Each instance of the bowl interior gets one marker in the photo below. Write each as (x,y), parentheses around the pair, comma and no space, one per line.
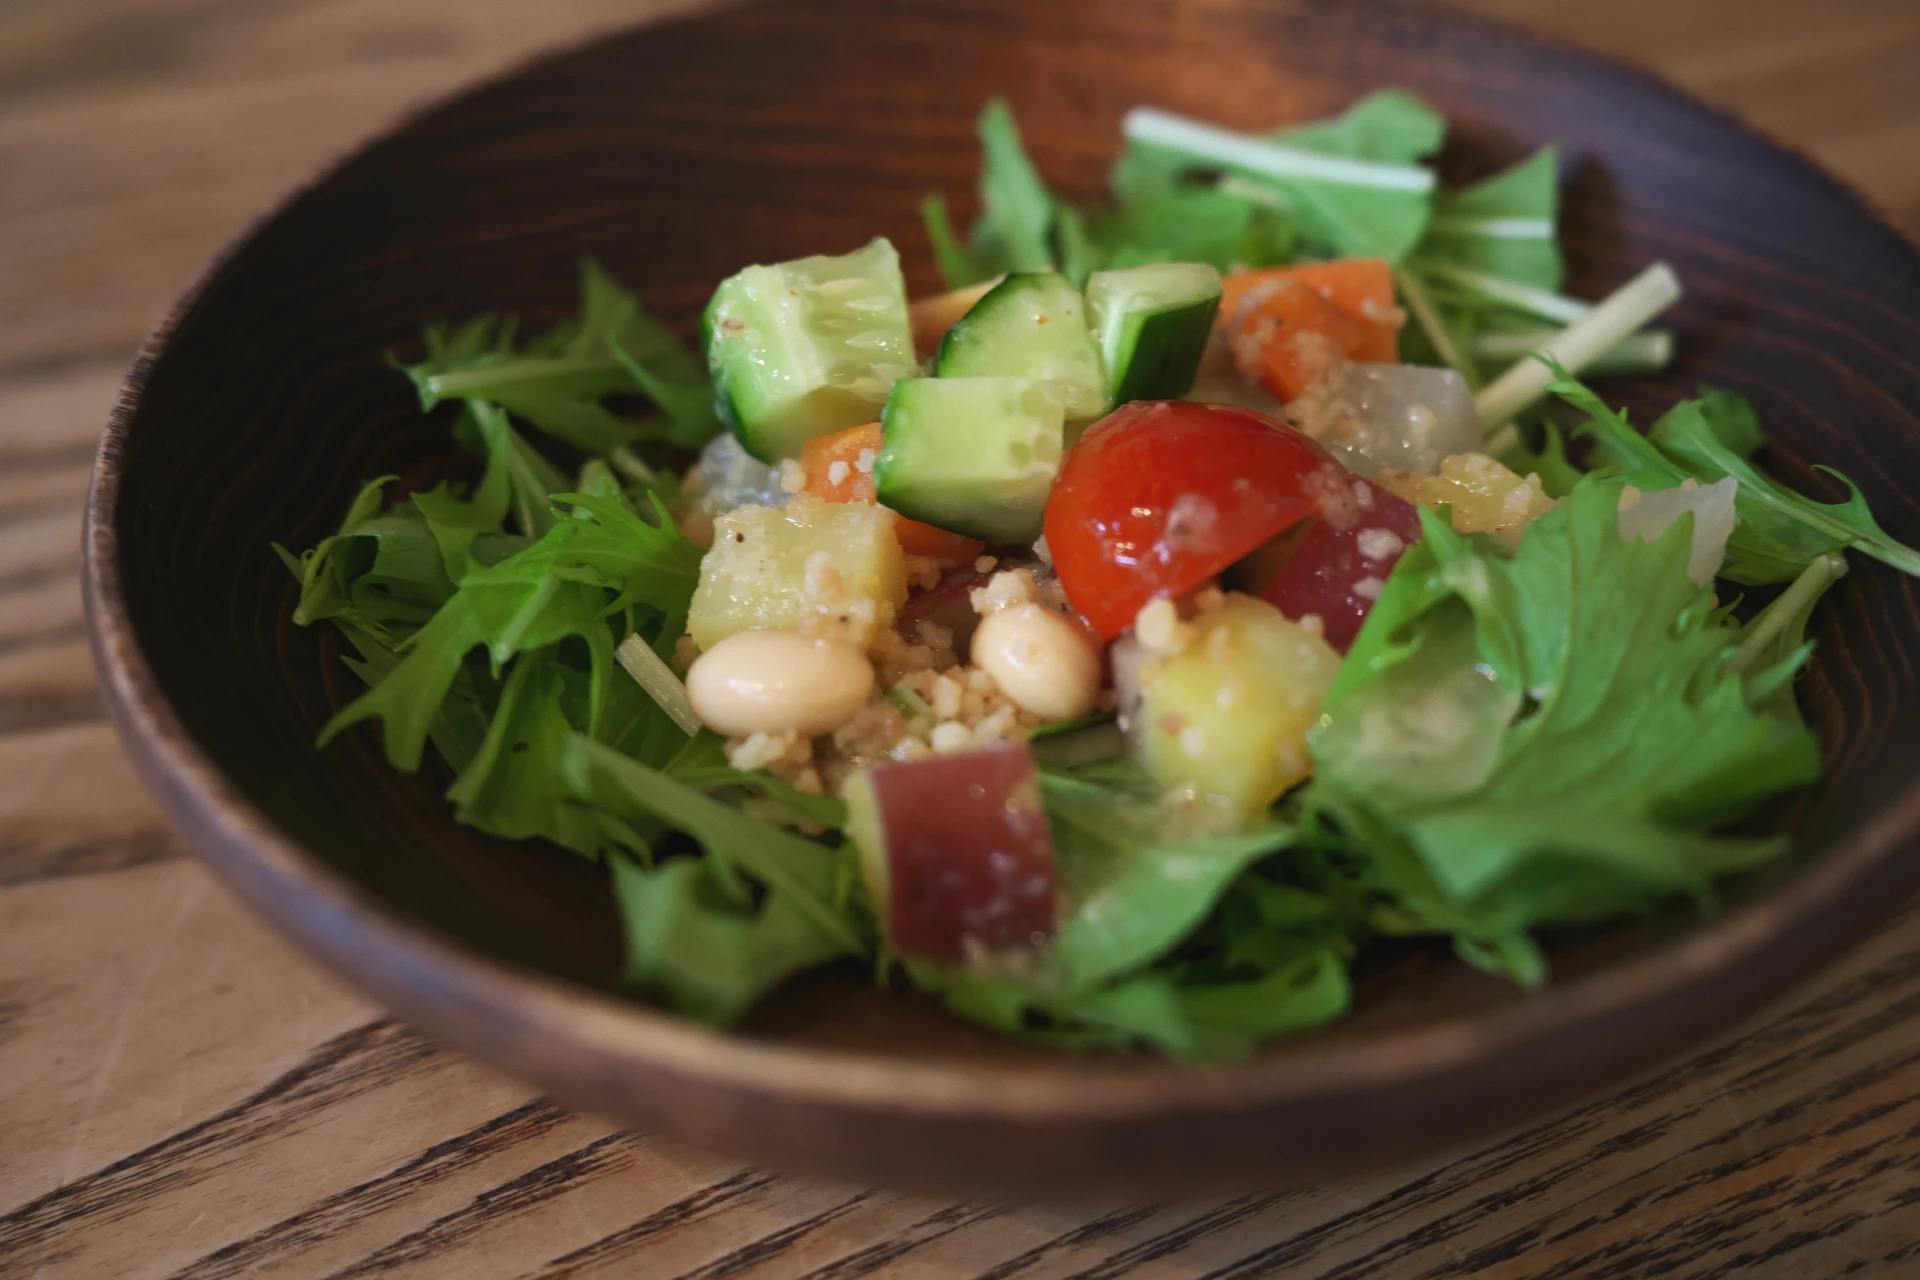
(677,154)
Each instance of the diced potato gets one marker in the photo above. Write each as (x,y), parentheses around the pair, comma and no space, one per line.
(1228,714)
(1484,495)
(825,568)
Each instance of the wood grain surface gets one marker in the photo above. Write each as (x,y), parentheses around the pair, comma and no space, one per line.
(180,1094)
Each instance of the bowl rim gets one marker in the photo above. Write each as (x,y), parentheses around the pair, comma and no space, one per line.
(467,999)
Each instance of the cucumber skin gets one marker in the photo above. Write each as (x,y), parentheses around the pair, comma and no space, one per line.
(966,352)
(1168,348)
(823,409)
(990,517)
(723,406)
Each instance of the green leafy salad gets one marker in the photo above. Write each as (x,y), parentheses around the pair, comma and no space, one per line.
(1208,584)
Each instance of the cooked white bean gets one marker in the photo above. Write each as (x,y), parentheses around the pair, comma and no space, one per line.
(1041,660)
(778,682)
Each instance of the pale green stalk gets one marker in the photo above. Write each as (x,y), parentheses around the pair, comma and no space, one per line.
(628,462)
(1494,228)
(465,382)
(1420,303)
(1225,147)
(1647,351)
(1487,287)
(1773,619)
(660,682)
(1623,312)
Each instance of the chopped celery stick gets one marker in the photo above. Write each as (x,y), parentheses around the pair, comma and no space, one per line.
(1647,351)
(1625,311)
(1485,287)
(1260,155)
(658,679)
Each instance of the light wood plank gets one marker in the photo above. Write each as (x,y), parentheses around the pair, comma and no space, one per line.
(72,804)
(141,1002)
(59,412)
(38,544)
(40,612)
(42,685)
(120,185)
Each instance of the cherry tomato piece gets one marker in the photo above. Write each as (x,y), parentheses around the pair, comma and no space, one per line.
(1337,570)
(1161,495)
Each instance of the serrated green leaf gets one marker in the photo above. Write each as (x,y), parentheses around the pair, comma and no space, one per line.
(958,264)
(1780,532)
(805,872)
(561,382)
(1389,125)
(1356,221)
(380,572)
(1622,734)
(1013,199)
(512,785)
(1505,225)
(1137,883)
(585,569)
(710,957)
(407,701)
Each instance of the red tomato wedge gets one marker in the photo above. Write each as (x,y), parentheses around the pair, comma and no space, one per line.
(834,472)
(1161,495)
(1337,570)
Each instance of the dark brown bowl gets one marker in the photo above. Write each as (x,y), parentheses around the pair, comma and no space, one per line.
(679,152)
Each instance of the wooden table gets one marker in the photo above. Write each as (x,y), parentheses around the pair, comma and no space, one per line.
(181,1094)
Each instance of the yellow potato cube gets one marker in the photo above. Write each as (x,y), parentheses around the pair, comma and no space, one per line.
(823,568)
(1228,714)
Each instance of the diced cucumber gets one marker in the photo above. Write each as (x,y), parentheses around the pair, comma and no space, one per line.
(974,455)
(808,347)
(1033,324)
(1152,324)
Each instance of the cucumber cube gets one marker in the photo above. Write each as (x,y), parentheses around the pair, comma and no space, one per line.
(808,347)
(1152,324)
(974,455)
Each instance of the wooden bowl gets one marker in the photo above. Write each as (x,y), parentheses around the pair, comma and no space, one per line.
(676,154)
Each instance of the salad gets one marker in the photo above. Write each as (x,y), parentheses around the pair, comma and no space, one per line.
(1207,586)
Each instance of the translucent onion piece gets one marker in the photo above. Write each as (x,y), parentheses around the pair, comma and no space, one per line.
(1648,515)
(1403,416)
(1218,382)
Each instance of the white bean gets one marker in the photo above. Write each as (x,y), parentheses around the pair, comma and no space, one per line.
(1041,660)
(778,682)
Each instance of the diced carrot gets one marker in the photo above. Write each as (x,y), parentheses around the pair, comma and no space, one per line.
(850,482)
(932,317)
(1287,337)
(1361,288)
(839,468)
